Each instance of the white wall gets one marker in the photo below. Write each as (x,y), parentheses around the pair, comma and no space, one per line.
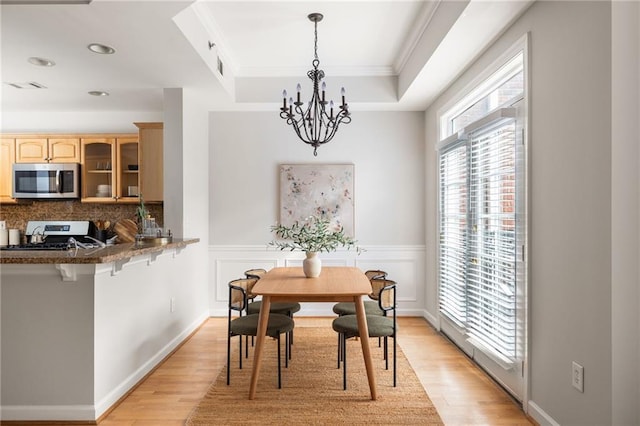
(570,206)
(186,189)
(625,205)
(173,161)
(387,149)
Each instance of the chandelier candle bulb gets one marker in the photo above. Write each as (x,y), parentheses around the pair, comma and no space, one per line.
(324,86)
(284,100)
(342,92)
(298,88)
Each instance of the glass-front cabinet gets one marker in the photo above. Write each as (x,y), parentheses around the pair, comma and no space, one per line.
(110,169)
(128,182)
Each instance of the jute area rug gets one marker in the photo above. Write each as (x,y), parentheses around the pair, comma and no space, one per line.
(312,388)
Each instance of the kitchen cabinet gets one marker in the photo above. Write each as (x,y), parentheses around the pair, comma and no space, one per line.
(110,168)
(115,167)
(128,168)
(151,162)
(47,150)
(7,158)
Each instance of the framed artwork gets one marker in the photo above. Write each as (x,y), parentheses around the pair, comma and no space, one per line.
(324,190)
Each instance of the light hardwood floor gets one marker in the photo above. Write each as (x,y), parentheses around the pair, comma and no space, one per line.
(461,392)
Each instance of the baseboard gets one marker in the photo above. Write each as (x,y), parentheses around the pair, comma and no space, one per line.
(539,415)
(434,320)
(48,413)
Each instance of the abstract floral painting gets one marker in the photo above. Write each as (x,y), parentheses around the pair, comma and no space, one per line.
(324,190)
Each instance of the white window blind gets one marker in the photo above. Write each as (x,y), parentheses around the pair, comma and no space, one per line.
(453,231)
(478,231)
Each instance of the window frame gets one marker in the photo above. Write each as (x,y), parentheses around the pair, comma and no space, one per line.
(465,99)
(473,91)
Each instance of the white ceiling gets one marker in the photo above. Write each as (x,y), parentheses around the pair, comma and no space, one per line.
(391,55)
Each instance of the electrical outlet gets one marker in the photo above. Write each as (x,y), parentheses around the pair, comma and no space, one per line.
(577,376)
(172,304)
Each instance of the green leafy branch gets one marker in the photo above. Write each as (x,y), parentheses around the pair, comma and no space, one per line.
(312,235)
(141,211)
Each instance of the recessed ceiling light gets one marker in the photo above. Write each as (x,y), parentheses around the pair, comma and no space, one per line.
(98,93)
(101,48)
(41,62)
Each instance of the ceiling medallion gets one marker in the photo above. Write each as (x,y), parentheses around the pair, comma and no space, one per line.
(317,124)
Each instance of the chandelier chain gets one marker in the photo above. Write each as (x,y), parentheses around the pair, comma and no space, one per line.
(315,41)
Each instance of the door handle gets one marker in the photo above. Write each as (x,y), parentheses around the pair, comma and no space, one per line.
(58,182)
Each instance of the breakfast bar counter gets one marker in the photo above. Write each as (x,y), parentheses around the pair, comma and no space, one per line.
(80,328)
(113,253)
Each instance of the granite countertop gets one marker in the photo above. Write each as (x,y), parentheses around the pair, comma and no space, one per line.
(96,255)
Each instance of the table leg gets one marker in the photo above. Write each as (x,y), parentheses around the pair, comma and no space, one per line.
(263,320)
(364,340)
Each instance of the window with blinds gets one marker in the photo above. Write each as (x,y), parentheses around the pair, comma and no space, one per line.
(478,247)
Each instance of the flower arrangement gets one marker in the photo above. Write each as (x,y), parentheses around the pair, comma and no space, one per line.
(313,235)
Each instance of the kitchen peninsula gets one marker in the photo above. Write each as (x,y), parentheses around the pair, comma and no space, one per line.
(112,253)
(81,327)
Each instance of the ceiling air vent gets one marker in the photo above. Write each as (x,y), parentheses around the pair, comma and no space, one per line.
(220,67)
(27,85)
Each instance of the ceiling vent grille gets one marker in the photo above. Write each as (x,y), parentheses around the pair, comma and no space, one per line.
(27,85)
(220,66)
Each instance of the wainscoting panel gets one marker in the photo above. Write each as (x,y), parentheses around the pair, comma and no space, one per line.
(404,264)
(230,269)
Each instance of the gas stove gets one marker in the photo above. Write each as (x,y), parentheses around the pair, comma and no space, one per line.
(58,235)
(39,246)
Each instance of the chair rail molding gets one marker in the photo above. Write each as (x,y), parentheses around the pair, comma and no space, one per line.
(404,264)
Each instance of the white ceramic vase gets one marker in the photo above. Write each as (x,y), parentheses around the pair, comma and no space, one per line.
(312,265)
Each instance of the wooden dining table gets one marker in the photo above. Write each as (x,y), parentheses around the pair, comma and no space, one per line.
(335,284)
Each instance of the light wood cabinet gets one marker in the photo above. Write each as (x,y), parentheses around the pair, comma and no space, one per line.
(151,161)
(128,169)
(115,167)
(7,158)
(110,169)
(65,150)
(47,150)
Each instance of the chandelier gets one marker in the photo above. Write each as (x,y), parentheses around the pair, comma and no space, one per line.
(317,124)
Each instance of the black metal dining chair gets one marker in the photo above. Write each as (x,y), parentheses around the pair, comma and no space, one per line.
(370,306)
(376,279)
(379,326)
(247,325)
(284,308)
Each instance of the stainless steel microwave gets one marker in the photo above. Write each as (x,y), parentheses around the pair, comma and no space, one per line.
(46,180)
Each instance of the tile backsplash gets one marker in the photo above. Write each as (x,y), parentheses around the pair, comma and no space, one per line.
(17,215)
